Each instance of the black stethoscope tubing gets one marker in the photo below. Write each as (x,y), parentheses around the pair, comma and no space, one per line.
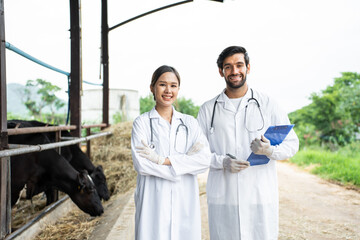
(252,98)
(152,146)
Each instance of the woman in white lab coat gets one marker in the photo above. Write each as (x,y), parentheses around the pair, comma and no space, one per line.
(168,150)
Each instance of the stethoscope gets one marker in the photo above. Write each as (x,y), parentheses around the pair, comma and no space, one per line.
(152,145)
(250,99)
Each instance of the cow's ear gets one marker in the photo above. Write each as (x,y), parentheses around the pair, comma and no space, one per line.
(99,169)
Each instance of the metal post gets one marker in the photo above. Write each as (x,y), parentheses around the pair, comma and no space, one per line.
(5,197)
(3,110)
(105,59)
(88,144)
(5,191)
(55,192)
(75,84)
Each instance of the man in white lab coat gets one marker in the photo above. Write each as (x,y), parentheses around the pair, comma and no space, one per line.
(242,200)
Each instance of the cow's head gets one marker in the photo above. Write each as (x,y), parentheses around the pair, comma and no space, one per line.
(99,179)
(86,196)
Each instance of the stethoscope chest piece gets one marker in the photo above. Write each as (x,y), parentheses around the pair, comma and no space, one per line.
(211,130)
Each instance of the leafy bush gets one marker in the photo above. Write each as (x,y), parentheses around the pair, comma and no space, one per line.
(118,117)
(342,166)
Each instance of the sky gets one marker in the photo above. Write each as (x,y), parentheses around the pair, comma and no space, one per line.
(296,47)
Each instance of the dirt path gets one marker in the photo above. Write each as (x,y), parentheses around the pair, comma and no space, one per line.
(310,208)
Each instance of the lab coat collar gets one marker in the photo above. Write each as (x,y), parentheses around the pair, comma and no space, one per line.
(225,99)
(176,114)
(155,115)
(228,105)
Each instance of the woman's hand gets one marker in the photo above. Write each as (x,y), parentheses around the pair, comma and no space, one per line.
(146,152)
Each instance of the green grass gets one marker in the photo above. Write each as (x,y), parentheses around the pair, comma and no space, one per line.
(342,166)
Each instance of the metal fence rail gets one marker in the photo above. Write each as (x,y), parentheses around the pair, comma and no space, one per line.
(39,148)
(29,130)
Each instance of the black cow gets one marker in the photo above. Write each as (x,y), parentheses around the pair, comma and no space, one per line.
(45,170)
(74,155)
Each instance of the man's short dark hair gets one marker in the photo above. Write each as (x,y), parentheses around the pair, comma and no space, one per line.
(229,51)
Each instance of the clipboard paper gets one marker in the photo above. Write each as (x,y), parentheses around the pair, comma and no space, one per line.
(276,135)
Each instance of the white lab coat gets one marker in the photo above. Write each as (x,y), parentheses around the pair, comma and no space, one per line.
(243,205)
(167,197)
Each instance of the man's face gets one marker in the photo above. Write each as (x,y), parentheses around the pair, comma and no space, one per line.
(234,70)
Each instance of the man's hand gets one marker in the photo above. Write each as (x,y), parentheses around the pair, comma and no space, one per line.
(195,148)
(146,152)
(262,146)
(234,165)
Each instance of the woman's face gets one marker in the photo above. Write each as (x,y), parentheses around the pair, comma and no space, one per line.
(166,89)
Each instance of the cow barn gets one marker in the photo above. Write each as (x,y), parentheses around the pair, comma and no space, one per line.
(114,154)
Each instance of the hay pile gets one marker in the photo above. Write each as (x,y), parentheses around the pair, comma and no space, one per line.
(75,225)
(24,211)
(114,154)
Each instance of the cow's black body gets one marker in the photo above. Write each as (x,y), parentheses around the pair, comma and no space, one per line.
(43,171)
(76,157)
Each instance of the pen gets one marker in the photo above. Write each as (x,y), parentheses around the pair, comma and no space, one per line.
(232,156)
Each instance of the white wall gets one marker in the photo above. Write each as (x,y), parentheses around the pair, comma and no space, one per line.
(124,101)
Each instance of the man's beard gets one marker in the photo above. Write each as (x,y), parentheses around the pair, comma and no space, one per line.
(236,85)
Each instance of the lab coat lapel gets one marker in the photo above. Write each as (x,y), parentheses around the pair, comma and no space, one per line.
(176,115)
(156,118)
(223,99)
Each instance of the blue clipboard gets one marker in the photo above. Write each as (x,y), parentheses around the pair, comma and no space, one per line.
(276,134)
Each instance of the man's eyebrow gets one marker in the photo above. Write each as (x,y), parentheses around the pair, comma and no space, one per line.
(228,64)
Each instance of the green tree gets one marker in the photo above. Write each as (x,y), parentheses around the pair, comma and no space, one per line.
(47,97)
(349,85)
(305,129)
(186,106)
(337,112)
(146,103)
(334,113)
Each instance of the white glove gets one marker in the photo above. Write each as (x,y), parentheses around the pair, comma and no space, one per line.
(146,152)
(195,148)
(234,165)
(262,146)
